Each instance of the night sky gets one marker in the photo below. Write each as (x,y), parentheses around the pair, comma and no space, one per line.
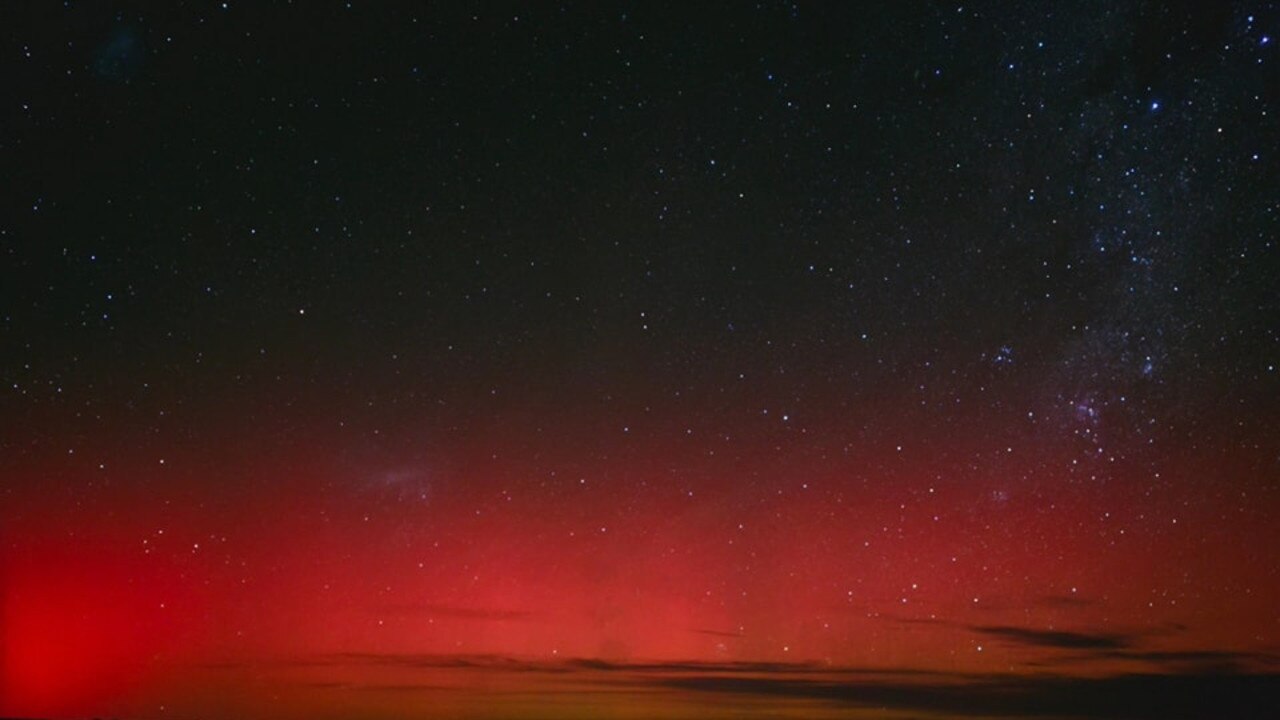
(684,360)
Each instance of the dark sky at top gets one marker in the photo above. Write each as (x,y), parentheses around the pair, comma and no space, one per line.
(385,205)
(894,305)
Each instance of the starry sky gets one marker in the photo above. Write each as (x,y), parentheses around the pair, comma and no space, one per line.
(555,360)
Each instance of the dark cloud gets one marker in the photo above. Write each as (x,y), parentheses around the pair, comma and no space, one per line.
(1081,647)
(1190,690)
(1129,697)
(1035,637)
(1195,656)
(1058,639)
(1181,661)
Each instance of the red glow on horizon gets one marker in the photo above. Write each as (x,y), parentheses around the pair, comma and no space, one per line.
(85,625)
(138,604)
